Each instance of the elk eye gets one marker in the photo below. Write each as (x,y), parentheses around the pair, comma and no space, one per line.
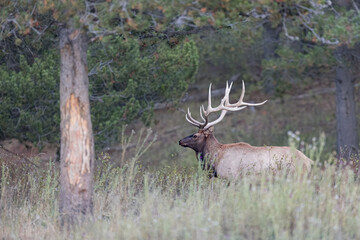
(194,136)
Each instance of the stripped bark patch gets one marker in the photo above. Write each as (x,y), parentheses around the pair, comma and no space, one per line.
(78,154)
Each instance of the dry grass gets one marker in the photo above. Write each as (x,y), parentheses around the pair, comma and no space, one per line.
(173,203)
(133,202)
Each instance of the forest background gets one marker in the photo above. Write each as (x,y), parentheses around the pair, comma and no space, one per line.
(290,52)
(148,61)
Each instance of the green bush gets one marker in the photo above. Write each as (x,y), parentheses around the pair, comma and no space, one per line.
(126,80)
(132,78)
(29,100)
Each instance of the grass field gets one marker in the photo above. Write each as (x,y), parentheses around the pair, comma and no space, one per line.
(182,203)
(155,190)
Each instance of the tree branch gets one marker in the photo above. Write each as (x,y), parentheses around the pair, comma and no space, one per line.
(172,33)
(292,38)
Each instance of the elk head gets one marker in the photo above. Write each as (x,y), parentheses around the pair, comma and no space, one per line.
(204,137)
(197,140)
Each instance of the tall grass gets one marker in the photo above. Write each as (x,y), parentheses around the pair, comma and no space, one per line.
(133,203)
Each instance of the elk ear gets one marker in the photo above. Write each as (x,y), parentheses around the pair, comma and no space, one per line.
(211,129)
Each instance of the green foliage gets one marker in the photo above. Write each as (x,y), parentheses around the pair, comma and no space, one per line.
(227,52)
(292,66)
(135,69)
(133,80)
(121,91)
(29,108)
(344,27)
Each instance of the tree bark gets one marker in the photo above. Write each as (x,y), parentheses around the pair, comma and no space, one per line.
(347,136)
(270,39)
(270,43)
(77,144)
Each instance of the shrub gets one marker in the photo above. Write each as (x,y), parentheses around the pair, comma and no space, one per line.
(126,80)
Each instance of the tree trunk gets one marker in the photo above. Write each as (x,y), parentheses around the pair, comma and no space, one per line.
(347,137)
(270,43)
(270,39)
(77,144)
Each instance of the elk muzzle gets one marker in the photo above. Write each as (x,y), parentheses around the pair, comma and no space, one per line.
(181,143)
(185,141)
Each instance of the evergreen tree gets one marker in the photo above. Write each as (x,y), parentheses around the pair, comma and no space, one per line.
(80,23)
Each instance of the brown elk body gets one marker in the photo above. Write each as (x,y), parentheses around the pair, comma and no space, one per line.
(233,160)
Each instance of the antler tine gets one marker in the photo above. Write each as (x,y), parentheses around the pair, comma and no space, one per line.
(209,101)
(192,123)
(241,102)
(201,110)
(227,90)
(243,91)
(192,119)
(224,107)
(223,102)
(205,119)
(220,118)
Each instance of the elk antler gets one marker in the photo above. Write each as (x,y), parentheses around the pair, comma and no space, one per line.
(224,107)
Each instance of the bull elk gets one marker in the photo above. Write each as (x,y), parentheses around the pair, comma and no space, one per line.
(233,160)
